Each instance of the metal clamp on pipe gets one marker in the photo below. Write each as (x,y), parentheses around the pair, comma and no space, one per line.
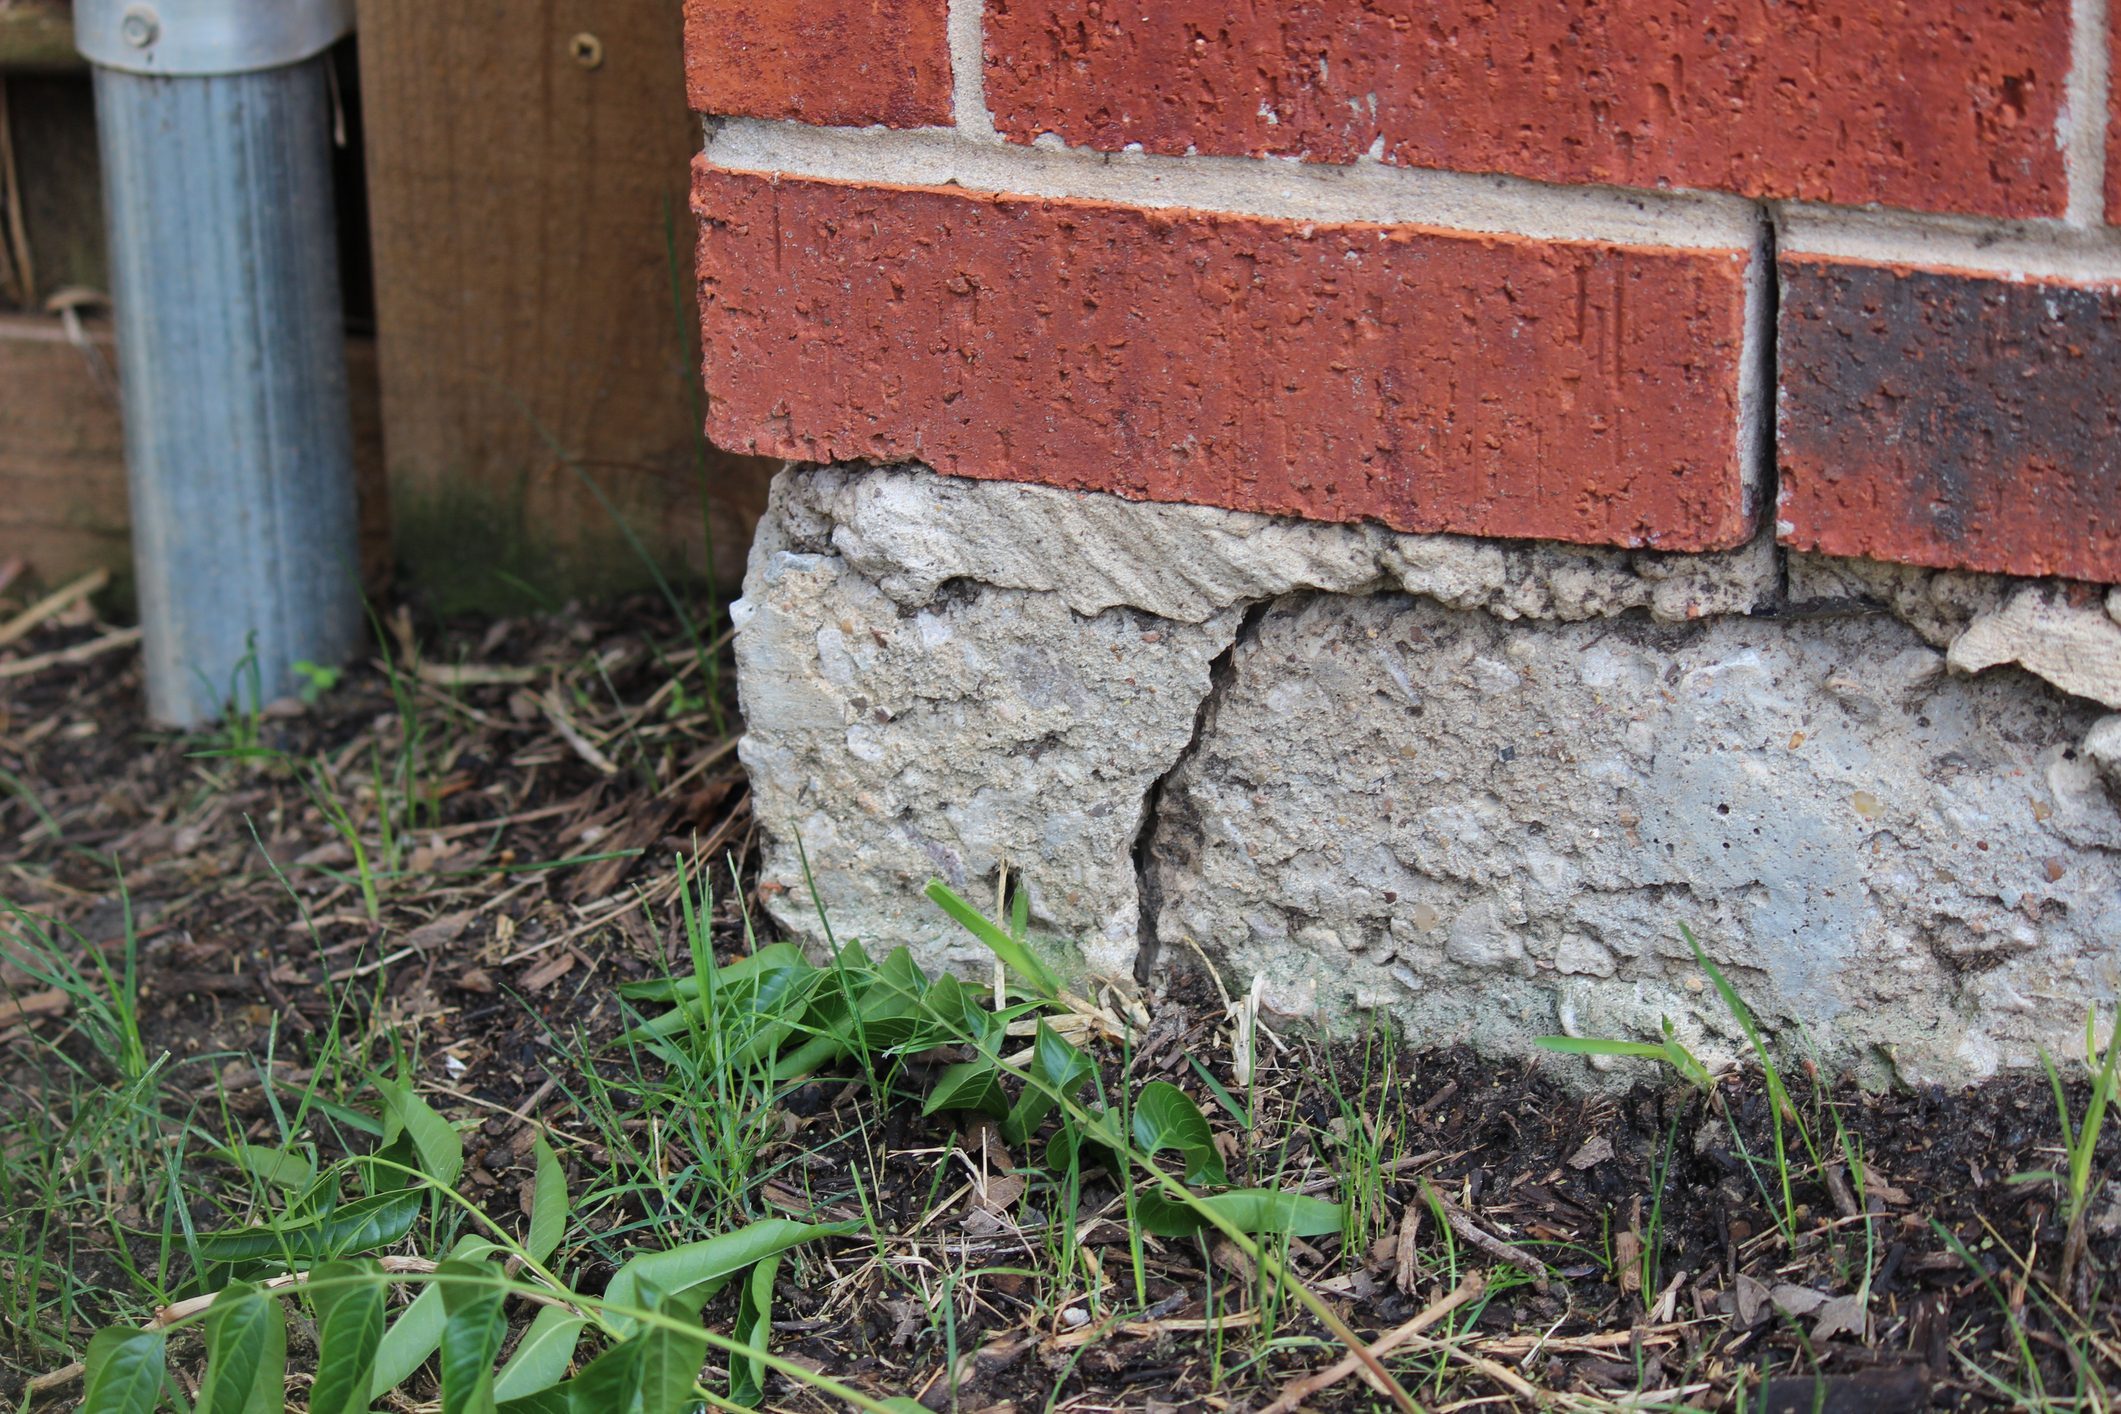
(214,119)
(203,38)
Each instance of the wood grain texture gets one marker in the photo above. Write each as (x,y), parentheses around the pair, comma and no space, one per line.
(528,212)
(63,505)
(37,34)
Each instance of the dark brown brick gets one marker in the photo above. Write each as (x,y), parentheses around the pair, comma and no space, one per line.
(1432,381)
(1939,418)
(1935,105)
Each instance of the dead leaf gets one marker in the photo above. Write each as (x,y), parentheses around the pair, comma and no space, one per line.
(50,1002)
(1752,1298)
(551,970)
(1794,1300)
(1001,1192)
(446,929)
(1842,1314)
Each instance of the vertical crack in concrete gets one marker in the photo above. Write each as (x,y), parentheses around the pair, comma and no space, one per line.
(1222,671)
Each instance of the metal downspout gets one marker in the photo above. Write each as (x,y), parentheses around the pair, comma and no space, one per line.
(215,128)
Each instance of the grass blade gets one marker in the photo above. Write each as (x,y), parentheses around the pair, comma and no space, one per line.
(1014,955)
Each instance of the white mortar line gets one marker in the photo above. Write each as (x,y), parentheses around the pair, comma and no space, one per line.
(2016,250)
(1281,188)
(968,71)
(2082,127)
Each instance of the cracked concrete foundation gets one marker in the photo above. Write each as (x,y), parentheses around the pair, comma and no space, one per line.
(1472,784)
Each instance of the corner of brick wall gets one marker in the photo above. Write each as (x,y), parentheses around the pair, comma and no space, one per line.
(1334,264)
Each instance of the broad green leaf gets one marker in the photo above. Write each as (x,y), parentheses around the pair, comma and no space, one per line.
(818,1051)
(1061,1067)
(890,1008)
(246,1354)
(1014,955)
(542,1356)
(554,1400)
(699,1269)
(665,989)
(1250,1210)
(548,1203)
(754,1327)
(125,1369)
(611,1383)
(276,1168)
(745,1007)
(349,1302)
(434,1139)
(367,1222)
(968,1085)
(671,1359)
(472,1330)
(1164,1118)
(417,1333)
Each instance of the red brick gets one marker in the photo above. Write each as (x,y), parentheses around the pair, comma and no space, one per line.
(2113,117)
(1934,417)
(845,63)
(1926,104)
(1430,380)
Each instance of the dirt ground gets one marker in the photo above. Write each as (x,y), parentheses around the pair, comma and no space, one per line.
(1627,1243)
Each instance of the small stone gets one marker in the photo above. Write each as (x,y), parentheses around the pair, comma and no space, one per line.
(2078,649)
(2103,745)
(1579,956)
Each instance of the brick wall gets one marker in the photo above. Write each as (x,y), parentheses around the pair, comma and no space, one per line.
(1611,274)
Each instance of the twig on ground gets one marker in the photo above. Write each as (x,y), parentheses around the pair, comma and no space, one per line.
(1301,1390)
(55,603)
(79,653)
(1488,1242)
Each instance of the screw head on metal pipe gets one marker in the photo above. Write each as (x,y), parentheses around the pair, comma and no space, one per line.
(140,26)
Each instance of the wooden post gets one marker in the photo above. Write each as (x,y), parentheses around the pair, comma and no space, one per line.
(528,171)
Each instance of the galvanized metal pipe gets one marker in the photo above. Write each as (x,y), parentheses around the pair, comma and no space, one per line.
(231,350)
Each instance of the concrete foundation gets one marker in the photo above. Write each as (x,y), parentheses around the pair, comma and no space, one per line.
(1476,785)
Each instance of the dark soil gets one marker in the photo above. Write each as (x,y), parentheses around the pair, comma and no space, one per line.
(543,877)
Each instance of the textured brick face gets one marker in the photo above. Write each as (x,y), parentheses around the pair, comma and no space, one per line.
(1432,381)
(878,61)
(1938,418)
(1927,104)
(2113,116)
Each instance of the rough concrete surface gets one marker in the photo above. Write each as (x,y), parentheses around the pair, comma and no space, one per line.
(1494,831)
(1475,784)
